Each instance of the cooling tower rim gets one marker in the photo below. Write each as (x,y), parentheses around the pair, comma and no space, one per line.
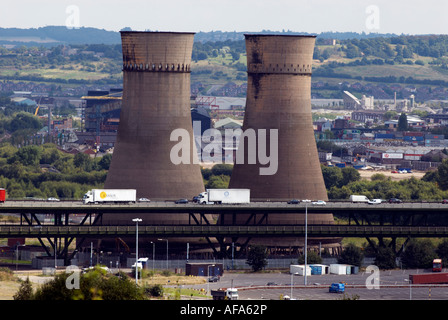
(279,35)
(158,32)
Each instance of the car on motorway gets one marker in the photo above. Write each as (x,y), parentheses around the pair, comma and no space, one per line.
(180,201)
(445,201)
(395,200)
(319,203)
(306,200)
(52,199)
(375,201)
(294,201)
(144,200)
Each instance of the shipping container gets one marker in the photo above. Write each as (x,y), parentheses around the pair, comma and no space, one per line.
(413,134)
(300,269)
(429,278)
(384,136)
(338,269)
(413,138)
(2,195)
(204,269)
(318,269)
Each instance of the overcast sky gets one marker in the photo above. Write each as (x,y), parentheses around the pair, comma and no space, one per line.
(312,16)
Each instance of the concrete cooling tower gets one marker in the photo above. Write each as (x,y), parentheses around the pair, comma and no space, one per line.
(156,101)
(279,101)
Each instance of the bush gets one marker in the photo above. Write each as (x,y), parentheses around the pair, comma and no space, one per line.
(155,290)
(351,255)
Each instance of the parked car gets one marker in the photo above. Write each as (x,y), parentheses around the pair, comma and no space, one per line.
(144,200)
(319,203)
(395,200)
(181,201)
(52,199)
(375,201)
(213,279)
(294,201)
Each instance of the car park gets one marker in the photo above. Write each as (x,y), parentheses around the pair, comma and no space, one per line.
(294,201)
(180,201)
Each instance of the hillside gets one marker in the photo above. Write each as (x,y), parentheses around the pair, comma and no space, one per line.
(64,56)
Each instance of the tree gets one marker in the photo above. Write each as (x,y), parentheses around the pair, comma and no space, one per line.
(418,254)
(442,252)
(257,257)
(332,176)
(94,285)
(403,122)
(351,255)
(385,258)
(442,175)
(312,257)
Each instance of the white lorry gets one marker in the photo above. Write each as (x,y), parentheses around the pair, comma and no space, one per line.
(110,195)
(225,294)
(359,199)
(227,196)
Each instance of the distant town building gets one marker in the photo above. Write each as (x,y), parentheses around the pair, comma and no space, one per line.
(353,103)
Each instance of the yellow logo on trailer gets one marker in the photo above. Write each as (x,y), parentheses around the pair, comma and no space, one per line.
(103,195)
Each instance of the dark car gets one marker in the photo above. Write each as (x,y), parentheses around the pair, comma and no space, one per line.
(181,201)
(213,279)
(395,200)
(445,201)
(294,201)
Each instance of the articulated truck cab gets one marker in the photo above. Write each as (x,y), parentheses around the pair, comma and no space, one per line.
(437,265)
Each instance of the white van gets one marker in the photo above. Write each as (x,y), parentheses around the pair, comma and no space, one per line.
(358,199)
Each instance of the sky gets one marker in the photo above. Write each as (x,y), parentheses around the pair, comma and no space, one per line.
(311,16)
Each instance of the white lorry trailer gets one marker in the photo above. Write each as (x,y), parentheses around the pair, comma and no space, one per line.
(226,196)
(110,196)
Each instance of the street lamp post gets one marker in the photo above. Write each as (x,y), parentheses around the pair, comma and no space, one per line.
(166,251)
(208,277)
(292,283)
(136,220)
(306,238)
(153,254)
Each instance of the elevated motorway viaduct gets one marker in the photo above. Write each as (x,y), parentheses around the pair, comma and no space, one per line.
(77,207)
(418,219)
